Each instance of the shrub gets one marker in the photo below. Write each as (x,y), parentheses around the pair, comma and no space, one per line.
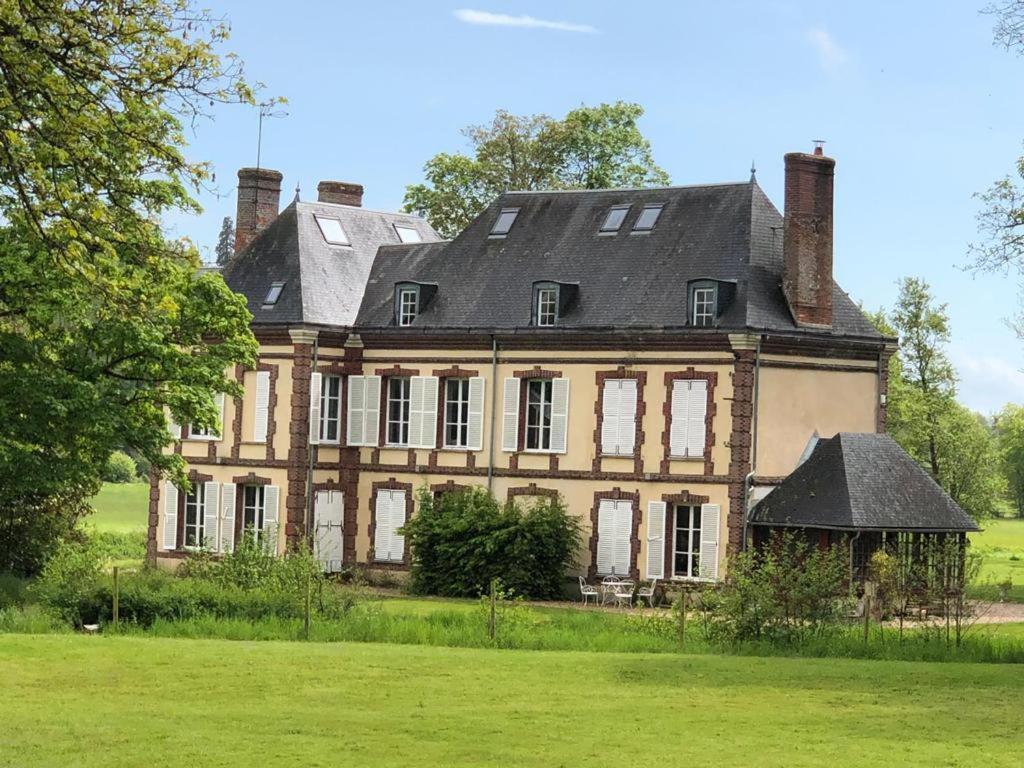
(461,541)
(120,468)
(111,546)
(68,584)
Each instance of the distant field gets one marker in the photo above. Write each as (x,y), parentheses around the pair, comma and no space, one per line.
(102,701)
(1001,544)
(120,507)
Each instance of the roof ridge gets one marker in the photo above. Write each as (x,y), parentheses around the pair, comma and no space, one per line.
(311,203)
(625,189)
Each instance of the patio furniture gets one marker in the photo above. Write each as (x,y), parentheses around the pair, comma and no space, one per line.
(609,585)
(624,593)
(647,593)
(588,591)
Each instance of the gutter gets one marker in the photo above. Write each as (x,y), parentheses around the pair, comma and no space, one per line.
(753,446)
(494,405)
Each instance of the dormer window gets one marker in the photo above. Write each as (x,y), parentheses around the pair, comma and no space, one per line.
(612,222)
(273,295)
(545,304)
(648,217)
(408,234)
(703,303)
(408,304)
(504,222)
(332,230)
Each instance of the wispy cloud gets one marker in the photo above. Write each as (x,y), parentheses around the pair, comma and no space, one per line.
(987,382)
(831,55)
(486,18)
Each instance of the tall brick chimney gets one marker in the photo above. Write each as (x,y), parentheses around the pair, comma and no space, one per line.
(259,196)
(807,237)
(342,192)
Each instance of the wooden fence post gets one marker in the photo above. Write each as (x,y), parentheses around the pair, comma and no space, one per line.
(117,599)
(305,623)
(682,616)
(492,621)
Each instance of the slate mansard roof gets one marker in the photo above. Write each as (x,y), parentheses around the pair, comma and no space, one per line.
(725,232)
(323,282)
(861,482)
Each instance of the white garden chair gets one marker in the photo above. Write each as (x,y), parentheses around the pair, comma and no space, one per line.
(588,591)
(624,593)
(609,586)
(647,593)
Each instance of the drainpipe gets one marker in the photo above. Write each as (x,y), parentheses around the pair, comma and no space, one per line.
(747,481)
(312,454)
(494,405)
(853,541)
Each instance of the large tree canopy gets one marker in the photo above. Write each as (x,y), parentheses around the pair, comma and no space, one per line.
(591,148)
(104,323)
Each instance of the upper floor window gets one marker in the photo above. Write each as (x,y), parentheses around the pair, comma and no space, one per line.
(201,433)
(330,409)
(407,304)
(408,234)
(538,414)
(648,217)
(456,413)
(612,222)
(504,222)
(545,305)
(703,302)
(399,401)
(689,402)
(332,230)
(194,511)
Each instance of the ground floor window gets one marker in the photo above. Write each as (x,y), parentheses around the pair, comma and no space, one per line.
(194,503)
(686,552)
(254,508)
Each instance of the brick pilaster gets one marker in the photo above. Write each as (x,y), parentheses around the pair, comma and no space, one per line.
(740,436)
(298,437)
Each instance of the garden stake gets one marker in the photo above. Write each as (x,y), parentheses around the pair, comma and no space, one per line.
(306,616)
(491,622)
(682,616)
(116,599)
(867,615)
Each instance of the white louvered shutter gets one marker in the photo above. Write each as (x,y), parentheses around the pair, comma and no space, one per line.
(211,514)
(415,411)
(610,403)
(709,521)
(170,516)
(428,428)
(623,536)
(696,412)
(371,411)
(476,414)
(626,437)
(606,536)
(656,511)
(510,416)
(382,533)
(559,415)
(316,382)
(227,517)
(356,410)
(680,416)
(271,499)
(221,429)
(261,415)
(397,540)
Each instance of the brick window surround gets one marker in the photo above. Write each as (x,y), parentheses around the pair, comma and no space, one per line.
(689,374)
(616,494)
(671,499)
(641,409)
(196,479)
(391,484)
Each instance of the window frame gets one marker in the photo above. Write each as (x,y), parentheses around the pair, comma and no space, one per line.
(539,292)
(497,233)
(271,299)
(318,217)
(544,404)
(605,229)
(258,508)
(461,403)
(708,317)
(401,293)
(326,399)
(197,501)
(398,232)
(692,529)
(404,402)
(658,208)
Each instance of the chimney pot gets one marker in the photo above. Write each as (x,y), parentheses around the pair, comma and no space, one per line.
(259,198)
(807,237)
(341,192)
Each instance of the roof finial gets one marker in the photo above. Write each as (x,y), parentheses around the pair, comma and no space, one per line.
(753,172)
(296,193)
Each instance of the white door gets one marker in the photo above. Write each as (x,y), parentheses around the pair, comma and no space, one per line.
(329,512)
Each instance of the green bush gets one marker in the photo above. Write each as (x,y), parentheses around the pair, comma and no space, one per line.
(112,546)
(120,468)
(461,541)
(69,582)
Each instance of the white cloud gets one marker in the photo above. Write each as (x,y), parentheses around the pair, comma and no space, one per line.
(987,382)
(487,18)
(832,56)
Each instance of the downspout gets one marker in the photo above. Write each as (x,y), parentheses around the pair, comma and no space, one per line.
(753,445)
(312,454)
(853,541)
(494,405)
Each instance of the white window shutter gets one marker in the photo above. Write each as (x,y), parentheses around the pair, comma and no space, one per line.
(656,511)
(211,514)
(627,417)
(222,427)
(696,412)
(261,416)
(623,536)
(271,499)
(559,415)
(170,516)
(371,411)
(382,531)
(680,413)
(476,414)
(428,427)
(415,411)
(227,517)
(356,410)
(610,402)
(316,382)
(397,540)
(606,536)
(510,416)
(709,522)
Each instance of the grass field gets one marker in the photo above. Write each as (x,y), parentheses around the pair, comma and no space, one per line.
(1001,544)
(73,700)
(120,507)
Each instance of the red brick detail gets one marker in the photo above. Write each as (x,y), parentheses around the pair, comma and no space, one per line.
(807,238)
(882,422)
(634,537)
(641,409)
(298,446)
(393,485)
(709,417)
(671,499)
(531,490)
(397,370)
(455,372)
(154,515)
(251,479)
(448,486)
(740,444)
(537,373)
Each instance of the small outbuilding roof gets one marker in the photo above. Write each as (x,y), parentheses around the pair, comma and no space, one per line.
(859,481)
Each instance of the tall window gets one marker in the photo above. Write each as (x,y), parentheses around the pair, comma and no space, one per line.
(194,515)
(253,509)
(456,413)
(330,409)
(398,411)
(687,541)
(547,305)
(408,305)
(538,415)
(703,303)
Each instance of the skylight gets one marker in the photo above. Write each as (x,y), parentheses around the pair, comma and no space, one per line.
(332,230)
(504,222)
(648,218)
(408,234)
(615,217)
(273,294)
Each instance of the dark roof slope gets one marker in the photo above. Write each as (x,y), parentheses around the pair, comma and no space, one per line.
(725,232)
(859,481)
(323,282)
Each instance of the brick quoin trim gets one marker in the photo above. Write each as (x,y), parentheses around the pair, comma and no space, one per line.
(251,479)
(641,409)
(390,484)
(531,490)
(448,486)
(634,536)
(740,444)
(671,499)
(349,461)
(154,515)
(298,444)
(882,422)
(709,417)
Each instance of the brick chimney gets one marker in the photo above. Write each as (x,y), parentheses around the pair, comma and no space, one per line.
(259,195)
(807,238)
(342,192)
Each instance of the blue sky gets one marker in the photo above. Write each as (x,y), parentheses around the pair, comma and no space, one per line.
(918,107)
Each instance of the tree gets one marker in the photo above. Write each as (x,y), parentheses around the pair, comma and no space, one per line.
(104,324)
(1009,426)
(225,241)
(591,148)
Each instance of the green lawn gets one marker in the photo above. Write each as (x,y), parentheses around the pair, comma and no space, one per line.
(1001,544)
(100,701)
(120,507)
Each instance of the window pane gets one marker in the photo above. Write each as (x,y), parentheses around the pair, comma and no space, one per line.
(504,221)
(408,234)
(274,293)
(332,230)
(648,218)
(615,218)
